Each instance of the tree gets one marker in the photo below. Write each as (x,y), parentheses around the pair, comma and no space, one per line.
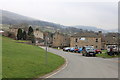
(19,34)
(24,35)
(32,38)
(30,30)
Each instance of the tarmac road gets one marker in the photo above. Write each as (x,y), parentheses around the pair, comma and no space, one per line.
(79,66)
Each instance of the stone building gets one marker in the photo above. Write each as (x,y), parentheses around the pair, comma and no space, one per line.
(112,39)
(13,30)
(39,37)
(87,39)
(60,40)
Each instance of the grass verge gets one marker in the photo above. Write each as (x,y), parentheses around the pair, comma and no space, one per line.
(26,61)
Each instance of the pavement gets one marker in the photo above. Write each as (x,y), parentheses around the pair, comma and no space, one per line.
(79,66)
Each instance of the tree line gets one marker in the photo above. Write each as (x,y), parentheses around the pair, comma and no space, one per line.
(23,35)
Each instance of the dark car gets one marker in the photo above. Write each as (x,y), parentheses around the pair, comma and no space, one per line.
(88,51)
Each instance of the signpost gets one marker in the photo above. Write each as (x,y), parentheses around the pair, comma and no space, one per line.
(46,54)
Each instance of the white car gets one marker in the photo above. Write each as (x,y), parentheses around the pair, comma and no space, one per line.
(66,49)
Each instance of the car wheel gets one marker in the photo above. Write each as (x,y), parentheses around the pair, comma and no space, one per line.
(82,54)
(94,55)
(87,55)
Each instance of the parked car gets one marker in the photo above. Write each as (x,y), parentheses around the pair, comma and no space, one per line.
(97,51)
(66,49)
(88,51)
(80,50)
(76,49)
(72,49)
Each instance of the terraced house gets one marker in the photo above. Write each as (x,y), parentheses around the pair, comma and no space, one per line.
(87,39)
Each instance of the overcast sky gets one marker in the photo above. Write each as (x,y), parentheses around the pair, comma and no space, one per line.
(99,13)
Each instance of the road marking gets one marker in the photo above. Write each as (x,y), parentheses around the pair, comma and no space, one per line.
(59,69)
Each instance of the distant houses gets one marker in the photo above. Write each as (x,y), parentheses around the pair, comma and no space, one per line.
(14,30)
(96,39)
(38,34)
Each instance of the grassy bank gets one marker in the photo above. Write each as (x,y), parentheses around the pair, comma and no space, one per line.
(26,61)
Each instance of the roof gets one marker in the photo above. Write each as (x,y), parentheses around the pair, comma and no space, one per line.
(85,34)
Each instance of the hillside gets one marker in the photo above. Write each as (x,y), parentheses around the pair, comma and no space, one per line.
(13,18)
(26,61)
(89,28)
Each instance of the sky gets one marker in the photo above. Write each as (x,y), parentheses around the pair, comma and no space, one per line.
(99,13)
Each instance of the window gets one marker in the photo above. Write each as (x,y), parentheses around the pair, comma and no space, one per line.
(113,37)
(92,45)
(75,45)
(96,46)
(96,40)
(76,40)
(82,38)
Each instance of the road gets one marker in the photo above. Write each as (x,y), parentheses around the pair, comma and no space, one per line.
(79,66)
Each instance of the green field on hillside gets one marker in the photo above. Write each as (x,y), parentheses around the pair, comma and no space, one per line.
(26,61)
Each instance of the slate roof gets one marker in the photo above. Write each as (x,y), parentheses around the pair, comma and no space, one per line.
(86,34)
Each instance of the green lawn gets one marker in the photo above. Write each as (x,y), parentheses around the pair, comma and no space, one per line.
(21,41)
(26,61)
(105,55)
